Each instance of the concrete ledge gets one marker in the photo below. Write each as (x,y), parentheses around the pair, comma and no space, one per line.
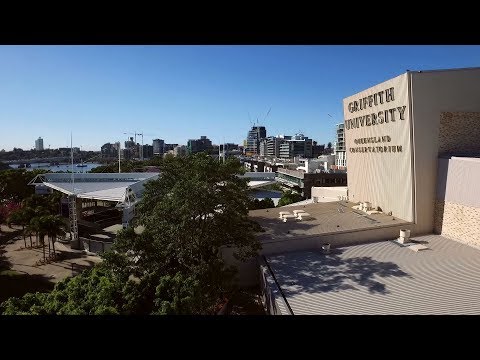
(336,239)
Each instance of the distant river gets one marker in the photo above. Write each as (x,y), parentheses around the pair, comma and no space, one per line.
(61,167)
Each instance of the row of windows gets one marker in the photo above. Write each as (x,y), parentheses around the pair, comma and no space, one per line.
(331,181)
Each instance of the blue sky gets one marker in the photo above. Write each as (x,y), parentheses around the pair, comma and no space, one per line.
(181,92)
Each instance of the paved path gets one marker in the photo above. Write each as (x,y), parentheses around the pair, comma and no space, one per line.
(23,260)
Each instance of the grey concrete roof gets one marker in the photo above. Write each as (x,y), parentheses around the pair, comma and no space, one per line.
(325,218)
(382,278)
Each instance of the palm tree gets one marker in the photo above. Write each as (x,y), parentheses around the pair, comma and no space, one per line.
(55,226)
(38,225)
(54,203)
(18,217)
(28,214)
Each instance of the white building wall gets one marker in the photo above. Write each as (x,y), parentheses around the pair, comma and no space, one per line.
(435,92)
(378,143)
(341,158)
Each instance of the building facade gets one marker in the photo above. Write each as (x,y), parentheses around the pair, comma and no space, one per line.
(147,151)
(169,147)
(303,182)
(396,131)
(317,150)
(252,144)
(198,145)
(263,147)
(339,147)
(109,150)
(39,144)
(180,150)
(298,145)
(158,146)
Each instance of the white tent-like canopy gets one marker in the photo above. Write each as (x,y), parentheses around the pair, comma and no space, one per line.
(116,187)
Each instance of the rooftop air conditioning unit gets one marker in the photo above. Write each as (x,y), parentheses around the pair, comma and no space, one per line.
(404,236)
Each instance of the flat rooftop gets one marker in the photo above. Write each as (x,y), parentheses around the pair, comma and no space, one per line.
(382,278)
(328,217)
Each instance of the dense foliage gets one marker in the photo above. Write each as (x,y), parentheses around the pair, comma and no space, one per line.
(4,166)
(266,203)
(7,208)
(289,197)
(14,183)
(195,209)
(128,165)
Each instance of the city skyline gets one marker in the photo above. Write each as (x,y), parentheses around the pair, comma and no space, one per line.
(177,93)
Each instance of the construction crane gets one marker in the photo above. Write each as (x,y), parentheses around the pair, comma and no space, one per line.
(268,112)
(134,133)
(140,134)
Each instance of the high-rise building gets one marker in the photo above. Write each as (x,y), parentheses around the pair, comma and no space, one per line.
(253,140)
(340,149)
(270,146)
(158,147)
(263,147)
(180,150)
(130,143)
(317,150)
(147,151)
(198,145)
(169,147)
(109,150)
(39,144)
(298,145)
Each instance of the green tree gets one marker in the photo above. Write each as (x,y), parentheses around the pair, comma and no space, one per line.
(174,266)
(4,166)
(93,292)
(125,166)
(14,184)
(38,225)
(55,226)
(194,209)
(289,197)
(268,203)
(99,291)
(20,217)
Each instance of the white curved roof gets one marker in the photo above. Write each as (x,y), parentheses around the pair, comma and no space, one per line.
(97,186)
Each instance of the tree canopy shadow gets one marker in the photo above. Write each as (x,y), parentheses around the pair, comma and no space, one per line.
(4,263)
(314,272)
(13,283)
(277,228)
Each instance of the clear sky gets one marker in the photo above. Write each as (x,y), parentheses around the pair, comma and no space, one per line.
(178,93)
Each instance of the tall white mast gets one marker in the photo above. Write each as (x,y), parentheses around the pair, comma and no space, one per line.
(224,149)
(71,152)
(119,146)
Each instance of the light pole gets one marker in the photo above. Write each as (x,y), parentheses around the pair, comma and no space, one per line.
(119,150)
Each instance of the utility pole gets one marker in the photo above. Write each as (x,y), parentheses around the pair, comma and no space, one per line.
(71,154)
(119,147)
